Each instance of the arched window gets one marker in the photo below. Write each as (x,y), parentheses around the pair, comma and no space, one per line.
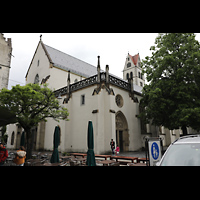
(139,74)
(36,81)
(12,138)
(127,76)
(131,74)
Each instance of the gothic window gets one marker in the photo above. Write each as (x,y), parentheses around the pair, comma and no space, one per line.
(131,74)
(127,76)
(38,62)
(12,138)
(139,74)
(119,100)
(36,81)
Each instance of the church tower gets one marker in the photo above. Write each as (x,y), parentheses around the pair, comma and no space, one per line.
(5,59)
(133,70)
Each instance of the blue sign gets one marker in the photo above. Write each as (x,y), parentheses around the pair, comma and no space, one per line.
(155,151)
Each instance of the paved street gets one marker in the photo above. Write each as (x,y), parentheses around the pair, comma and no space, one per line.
(140,154)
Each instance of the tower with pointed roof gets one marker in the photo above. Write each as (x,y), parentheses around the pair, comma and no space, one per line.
(133,70)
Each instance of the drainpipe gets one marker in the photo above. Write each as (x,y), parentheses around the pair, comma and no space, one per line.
(98,69)
(68,82)
(107,74)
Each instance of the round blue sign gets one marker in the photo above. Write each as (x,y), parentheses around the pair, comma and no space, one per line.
(155,151)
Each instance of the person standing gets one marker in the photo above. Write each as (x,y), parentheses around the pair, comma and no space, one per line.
(20,156)
(112,145)
(3,154)
(117,150)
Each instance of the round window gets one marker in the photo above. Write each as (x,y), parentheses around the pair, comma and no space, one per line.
(119,100)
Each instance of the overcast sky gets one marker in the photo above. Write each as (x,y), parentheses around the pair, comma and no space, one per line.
(111,47)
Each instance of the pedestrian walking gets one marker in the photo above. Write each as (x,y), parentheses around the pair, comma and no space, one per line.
(3,154)
(117,150)
(20,156)
(112,145)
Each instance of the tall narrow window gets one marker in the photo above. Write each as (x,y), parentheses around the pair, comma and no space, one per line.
(38,62)
(12,138)
(127,76)
(83,99)
(131,74)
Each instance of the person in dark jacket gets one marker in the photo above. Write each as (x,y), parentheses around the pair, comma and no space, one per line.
(3,154)
(112,145)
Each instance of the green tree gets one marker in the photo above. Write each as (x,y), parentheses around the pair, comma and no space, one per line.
(172,97)
(29,105)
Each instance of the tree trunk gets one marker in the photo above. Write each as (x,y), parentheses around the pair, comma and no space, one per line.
(29,143)
(184,130)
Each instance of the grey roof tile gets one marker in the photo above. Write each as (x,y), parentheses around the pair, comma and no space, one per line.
(67,62)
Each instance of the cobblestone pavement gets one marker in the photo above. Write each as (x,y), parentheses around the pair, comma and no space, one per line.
(140,154)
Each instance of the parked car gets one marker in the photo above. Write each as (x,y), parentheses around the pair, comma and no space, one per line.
(184,151)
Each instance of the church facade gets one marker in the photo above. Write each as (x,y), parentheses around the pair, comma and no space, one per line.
(89,93)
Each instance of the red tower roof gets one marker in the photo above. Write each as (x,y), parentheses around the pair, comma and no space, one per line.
(134,58)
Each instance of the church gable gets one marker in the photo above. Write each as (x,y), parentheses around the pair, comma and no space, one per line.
(63,61)
(39,66)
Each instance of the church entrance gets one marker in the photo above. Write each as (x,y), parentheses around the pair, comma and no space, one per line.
(122,135)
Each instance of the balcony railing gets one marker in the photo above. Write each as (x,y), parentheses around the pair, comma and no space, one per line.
(91,81)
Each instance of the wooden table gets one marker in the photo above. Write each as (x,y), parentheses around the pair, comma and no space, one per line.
(106,162)
(124,158)
(78,154)
(65,157)
(80,160)
(102,156)
(136,164)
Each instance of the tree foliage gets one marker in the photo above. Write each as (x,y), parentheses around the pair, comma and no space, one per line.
(172,97)
(29,105)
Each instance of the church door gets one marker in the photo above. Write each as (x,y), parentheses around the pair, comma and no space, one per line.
(122,135)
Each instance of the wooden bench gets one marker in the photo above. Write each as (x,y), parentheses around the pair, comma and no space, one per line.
(124,158)
(78,154)
(136,164)
(142,160)
(102,156)
(84,155)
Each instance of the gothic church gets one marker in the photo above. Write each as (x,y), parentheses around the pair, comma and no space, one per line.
(89,93)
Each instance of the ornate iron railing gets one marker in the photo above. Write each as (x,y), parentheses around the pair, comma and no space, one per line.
(81,84)
(119,83)
(91,81)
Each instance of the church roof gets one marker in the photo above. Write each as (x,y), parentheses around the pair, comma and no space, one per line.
(64,61)
(134,58)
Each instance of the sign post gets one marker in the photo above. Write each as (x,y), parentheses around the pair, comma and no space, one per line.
(153,150)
